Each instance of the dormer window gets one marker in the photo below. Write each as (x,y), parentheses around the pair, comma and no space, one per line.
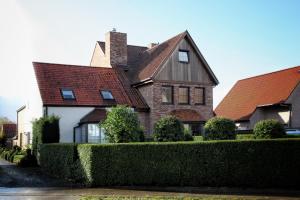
(183,56)
(107,95)
(67,94)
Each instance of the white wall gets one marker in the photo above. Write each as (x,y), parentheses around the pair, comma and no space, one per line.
(69,118)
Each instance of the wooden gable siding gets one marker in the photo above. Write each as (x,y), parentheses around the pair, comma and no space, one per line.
(194,71)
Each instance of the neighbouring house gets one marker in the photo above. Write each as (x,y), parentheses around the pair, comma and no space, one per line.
(10,131)
(274,95)
(171,78)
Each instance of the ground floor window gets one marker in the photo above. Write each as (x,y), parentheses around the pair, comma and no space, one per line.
(196,128)
(89,133)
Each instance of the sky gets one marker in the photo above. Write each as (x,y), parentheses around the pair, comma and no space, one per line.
(238,39)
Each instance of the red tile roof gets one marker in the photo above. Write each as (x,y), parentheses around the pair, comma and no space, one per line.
(10,130)
(187,115)
(86,83)
(247,94)
(94,116)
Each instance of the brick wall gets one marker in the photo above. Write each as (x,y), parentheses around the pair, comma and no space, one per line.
(116,47)
(152,95)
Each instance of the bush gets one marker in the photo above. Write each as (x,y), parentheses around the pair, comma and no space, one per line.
(45,130)
(3,140)
(219,128)
(168,128)
(249,163)
(25,159)
(122,125)
(268,129)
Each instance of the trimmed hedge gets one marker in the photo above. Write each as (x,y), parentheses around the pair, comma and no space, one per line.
(268,129)
(58,159)
(219,128)
(249,163)
(45,130)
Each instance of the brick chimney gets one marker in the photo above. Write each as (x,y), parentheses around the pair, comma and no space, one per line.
(116,48)
(151,45)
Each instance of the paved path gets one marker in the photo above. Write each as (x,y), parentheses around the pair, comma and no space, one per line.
(31,184)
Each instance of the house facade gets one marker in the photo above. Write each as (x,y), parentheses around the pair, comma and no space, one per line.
(171,78)
(274,95)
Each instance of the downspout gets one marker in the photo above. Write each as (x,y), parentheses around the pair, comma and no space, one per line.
(290,117)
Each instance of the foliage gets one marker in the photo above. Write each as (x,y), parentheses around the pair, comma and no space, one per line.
(22,158)
(214,163)
(5,120)
(268,129)
(168,128)
(155,197)
(3,140)
(59,160)
(45,130)
(219,128)
(122,125)
(244,136)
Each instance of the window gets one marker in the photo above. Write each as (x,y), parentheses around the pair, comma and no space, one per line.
(67,94)
(183,95)
(199,96)
(167,94)
(107,95)
(183,56)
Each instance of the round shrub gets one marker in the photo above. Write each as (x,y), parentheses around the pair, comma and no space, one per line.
(268,129)
(219,128)
(122,125)
(168,128)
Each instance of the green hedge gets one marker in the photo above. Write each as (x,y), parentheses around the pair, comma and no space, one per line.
(58,159)
(249,163)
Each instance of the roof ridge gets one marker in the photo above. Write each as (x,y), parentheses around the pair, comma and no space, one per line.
(265,74)
(69,65)
(127,44)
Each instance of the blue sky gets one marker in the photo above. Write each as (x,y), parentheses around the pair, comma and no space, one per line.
(238,38)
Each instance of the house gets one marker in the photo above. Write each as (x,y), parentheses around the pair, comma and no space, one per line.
(10,131)
(171,78)
(274,95)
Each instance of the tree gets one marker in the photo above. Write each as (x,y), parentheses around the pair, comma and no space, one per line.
(5,120)
(122,125)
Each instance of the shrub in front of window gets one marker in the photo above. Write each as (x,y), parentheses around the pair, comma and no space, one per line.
(45,130)
(122,125)
(219,128)
(268,129)
(168,128)
(187,134)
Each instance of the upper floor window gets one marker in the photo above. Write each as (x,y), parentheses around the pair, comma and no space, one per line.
(167,94)
(199,96)
(183,95)
(107,95)
(67,94)
(183,56)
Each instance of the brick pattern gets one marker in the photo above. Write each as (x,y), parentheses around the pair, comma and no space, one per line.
(152,95)
(116,48)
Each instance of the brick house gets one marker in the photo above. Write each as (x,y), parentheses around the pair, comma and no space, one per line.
(10,131)
(171,78)
(269,96)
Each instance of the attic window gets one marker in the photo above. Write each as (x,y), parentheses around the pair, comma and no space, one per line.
(183,56)
(106,95)
(67,94)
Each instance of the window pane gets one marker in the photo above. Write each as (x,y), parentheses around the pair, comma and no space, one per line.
(166,94)
(67,94)
(106,94)
(93,133)
(183,95)
(183,56)
(199,95)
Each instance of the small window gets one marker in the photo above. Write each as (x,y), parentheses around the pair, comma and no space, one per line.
(107,95)
(67,94)
(183,95)
(167,94)
(200,96)
(183,56)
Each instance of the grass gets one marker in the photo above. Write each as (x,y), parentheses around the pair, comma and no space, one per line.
(206,197)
